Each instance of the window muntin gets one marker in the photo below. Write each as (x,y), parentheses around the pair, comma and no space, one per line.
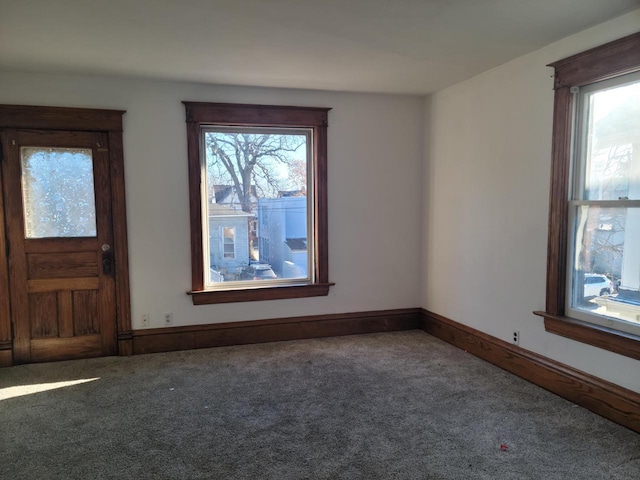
(258,176)
(604,210)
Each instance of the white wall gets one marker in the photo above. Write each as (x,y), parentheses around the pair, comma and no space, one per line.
(486,176)
(374,175)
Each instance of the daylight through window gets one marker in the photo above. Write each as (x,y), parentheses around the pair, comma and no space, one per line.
(593,254)
(258,197)
(258,176)
(604,213)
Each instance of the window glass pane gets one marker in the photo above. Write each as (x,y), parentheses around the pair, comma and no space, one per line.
(229,235)
(612,162)
(606,278)
(58,196)
(257,202)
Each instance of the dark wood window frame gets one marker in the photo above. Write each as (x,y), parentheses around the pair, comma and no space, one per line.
(198,115)
(611,60)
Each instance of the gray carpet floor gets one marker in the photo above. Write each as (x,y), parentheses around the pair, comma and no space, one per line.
(399,405)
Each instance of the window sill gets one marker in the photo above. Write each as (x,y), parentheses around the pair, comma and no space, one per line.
(609,339)
(209,297)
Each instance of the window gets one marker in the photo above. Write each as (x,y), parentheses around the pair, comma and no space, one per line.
(604,210)
(257,180)
(58,193)
(593,270)
(229,242)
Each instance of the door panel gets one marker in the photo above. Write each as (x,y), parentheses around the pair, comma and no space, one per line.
(84,305)
(43,315)
(58,221)
(61,265)
(51,349)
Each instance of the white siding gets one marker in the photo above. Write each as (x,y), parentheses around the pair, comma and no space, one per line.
(240,224)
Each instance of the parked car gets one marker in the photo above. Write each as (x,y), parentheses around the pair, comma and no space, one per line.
(259,271)
(596,285)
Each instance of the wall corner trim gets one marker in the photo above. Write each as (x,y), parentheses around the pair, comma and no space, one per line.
(604,398)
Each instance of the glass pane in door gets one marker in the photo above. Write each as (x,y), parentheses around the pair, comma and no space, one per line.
(57,191)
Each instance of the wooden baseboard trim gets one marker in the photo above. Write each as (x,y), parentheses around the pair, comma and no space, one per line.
(273,330)
(125,343)
(6,354)
(604,398)
(6,358)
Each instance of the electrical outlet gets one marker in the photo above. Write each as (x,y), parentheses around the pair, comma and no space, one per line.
(516,337)
(168,318)
(145,319)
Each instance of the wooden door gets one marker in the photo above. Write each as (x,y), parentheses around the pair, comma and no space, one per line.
(57,199)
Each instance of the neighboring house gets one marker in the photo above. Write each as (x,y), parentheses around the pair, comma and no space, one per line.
(295,258)
(226,195)
(228,240)
(282,233)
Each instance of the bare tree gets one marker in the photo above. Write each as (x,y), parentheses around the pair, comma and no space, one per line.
(251,162)
(298,175)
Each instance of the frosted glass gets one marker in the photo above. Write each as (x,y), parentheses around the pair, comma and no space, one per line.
(58,195)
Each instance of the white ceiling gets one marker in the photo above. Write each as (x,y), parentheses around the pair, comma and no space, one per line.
(392,46)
